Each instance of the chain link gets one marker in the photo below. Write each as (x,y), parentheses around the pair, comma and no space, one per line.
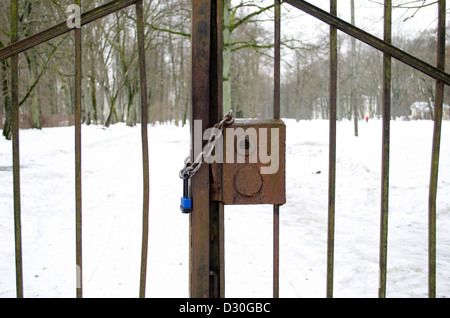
(191,168)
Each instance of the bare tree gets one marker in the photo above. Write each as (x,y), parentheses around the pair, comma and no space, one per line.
(354,86)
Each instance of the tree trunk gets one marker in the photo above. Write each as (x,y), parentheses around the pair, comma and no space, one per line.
(93,79)
(354,89)
(226,56)
(131,109)
(112,112)
(35,112)
(185,90)
(6,101)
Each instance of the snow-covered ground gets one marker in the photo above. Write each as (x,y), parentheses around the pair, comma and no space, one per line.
(112,208)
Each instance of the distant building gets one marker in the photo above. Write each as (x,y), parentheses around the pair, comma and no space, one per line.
(421,110)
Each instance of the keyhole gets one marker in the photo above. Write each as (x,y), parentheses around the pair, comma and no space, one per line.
(245,144)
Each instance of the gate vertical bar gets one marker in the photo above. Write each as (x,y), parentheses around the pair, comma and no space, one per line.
(220,114)
(15,144)
(276,251)
(332,154)
(206,219)
(277,115)
(199,218)
(144,139)
(216,208)
(277,62)
(387,62)
(78,187)
(435,153)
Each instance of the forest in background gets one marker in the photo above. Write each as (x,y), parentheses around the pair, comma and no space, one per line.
(111,79)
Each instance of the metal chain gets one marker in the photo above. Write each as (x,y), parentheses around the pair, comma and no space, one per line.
(191,168)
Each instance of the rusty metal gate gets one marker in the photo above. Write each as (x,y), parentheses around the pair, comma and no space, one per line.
(207,277)
(13,52)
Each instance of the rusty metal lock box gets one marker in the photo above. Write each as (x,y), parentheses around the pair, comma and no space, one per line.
(254,169)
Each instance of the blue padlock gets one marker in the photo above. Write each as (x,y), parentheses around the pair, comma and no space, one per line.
(186,202)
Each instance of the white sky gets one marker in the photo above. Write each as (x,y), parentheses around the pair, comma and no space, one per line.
(369,16)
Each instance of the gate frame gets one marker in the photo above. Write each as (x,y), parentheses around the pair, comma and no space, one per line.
(12,51)
(389,52)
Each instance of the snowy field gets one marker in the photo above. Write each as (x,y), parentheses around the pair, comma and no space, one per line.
(112,211)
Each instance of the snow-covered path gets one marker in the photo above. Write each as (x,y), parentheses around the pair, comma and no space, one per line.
(112,205)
